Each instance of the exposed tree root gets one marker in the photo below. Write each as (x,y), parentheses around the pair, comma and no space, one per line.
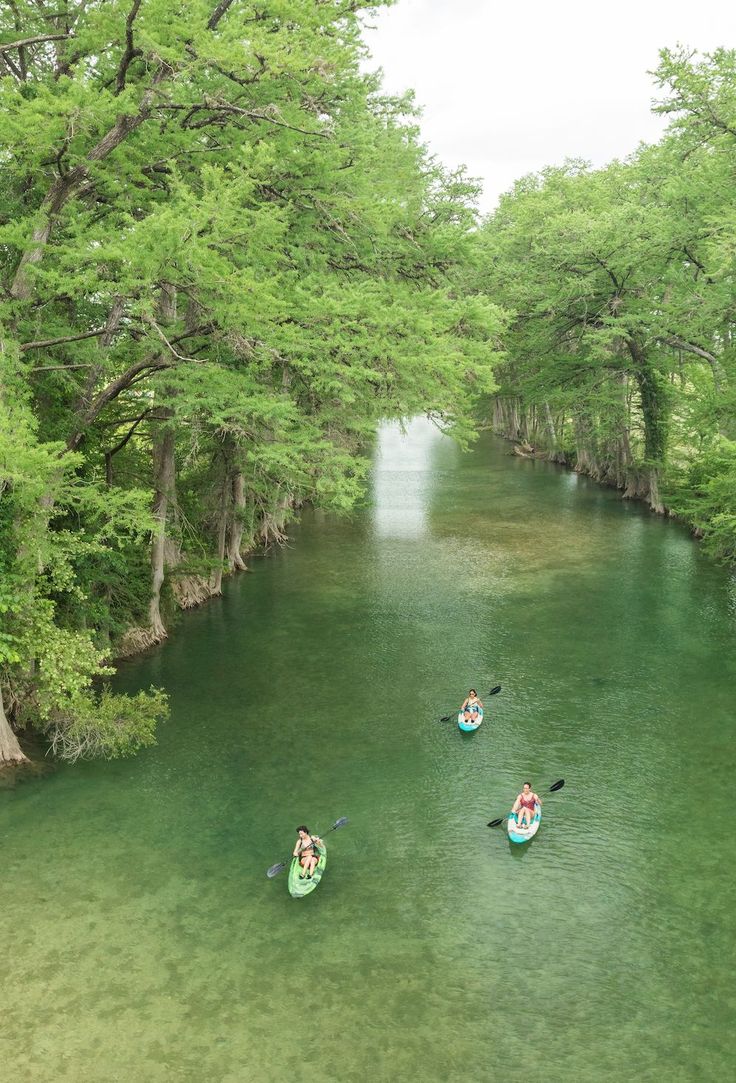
(138,639)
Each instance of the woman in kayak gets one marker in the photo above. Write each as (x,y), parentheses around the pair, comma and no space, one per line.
(305,851)
(472,706)
(524,805)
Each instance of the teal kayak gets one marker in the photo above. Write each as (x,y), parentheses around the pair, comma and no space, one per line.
(523,834)
(302,885)
(469,727)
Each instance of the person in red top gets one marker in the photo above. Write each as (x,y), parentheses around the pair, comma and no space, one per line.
(524,804)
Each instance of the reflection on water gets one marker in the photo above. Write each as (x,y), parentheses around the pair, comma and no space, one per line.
(402,479)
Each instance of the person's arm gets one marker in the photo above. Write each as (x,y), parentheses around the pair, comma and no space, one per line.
(297,848)
(465,704)
(538,799)
(317,840)
(516,805)
(480,703)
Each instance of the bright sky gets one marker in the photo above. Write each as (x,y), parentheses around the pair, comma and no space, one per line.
(507,88)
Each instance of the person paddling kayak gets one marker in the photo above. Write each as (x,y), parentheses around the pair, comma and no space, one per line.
(305,851)
(524,805)
(472,706)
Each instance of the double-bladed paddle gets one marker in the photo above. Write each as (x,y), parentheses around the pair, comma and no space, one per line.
(276,869)
(555,786)
(493,692)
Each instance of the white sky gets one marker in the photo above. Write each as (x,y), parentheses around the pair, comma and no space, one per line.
(507,88)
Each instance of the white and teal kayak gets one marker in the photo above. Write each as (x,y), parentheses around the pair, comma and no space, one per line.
(469,727)
(523,834)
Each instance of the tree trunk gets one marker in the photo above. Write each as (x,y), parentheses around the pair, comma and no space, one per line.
(235,560)
(498,420)
(556,454)
(654,414)
(550,427)
(514,424)
(163,470)
(655,500)
(222,518)
(585,459)
(10,750)
(528,424)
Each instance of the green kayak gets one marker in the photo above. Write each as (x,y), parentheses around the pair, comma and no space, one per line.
(301,885)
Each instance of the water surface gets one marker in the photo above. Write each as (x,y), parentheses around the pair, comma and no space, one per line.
(142,940)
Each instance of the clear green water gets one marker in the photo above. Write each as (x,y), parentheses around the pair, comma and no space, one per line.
(142,940)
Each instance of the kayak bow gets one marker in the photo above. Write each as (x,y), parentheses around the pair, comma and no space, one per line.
(523,834)
(302,885)
(469,727)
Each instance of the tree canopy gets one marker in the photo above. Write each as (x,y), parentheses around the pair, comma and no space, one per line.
(225,256)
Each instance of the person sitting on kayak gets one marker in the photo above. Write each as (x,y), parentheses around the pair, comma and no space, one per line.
(305,851)
(524,805)
(472,706)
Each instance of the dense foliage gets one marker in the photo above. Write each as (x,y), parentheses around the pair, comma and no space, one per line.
(224,256)
(622,346)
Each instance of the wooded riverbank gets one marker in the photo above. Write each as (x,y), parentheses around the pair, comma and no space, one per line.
(619,282)
(226,256)
(222,251)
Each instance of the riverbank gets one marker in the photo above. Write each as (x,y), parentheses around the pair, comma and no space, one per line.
(534,438)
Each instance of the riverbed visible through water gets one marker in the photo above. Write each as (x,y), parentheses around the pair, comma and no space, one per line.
(142,940)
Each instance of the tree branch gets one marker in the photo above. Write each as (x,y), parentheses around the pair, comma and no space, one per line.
(136,372)
(111,391)
(717,370)
(33,41)
(41,344)
(120,445)
(130,51)
(178,356)
(225,108)
(609,272)
(694,260)
(218,13)
(52,368)
(12,68)
(690,347)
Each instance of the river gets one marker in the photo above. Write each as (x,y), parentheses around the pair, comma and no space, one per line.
(142,939)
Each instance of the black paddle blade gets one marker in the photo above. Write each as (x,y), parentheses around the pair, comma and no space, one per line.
(495,691)
(495,823)
(557,785)
(446,718)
